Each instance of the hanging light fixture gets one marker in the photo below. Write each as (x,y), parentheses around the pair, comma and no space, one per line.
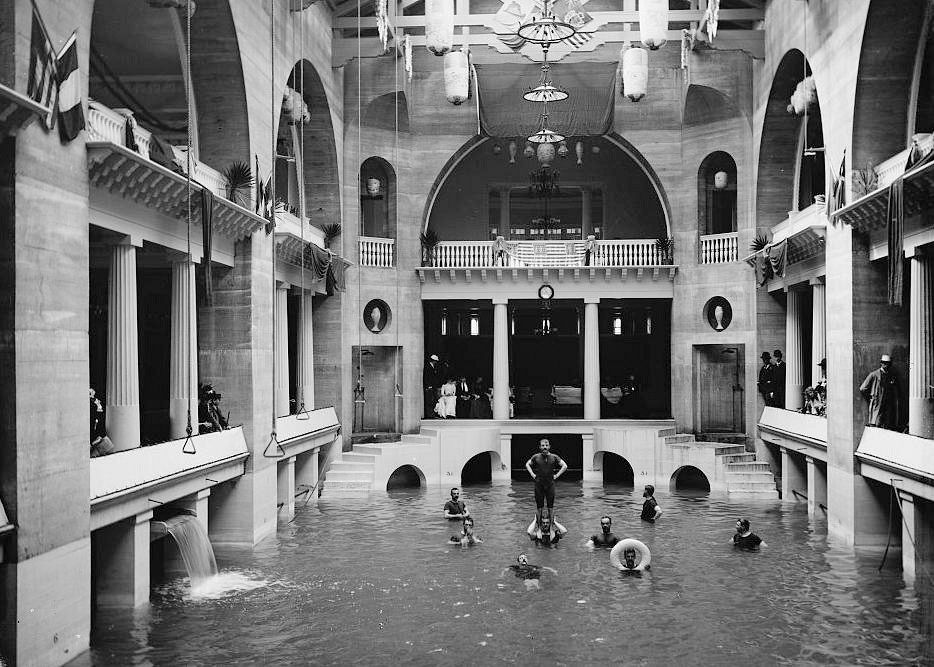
(439,26)
(545,91)
(720,180)
(456,76)
(543,27)
(653,23)
(544,135)
(635,73)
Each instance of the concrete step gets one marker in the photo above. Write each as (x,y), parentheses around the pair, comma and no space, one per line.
(759,476)
(736,458)
(746,486)
(430,432)
(349,475)
(417,439)
(679,438)
(373,450)
(758,494)
(344,464)
(330,485)
(730,449)
(749,466)
(357,457)
(662,432)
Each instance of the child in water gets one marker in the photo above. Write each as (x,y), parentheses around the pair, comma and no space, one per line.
(467,537)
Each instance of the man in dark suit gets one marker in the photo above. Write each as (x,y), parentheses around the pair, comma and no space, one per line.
(778,377)
(766,382)
(463,398)
(431,384)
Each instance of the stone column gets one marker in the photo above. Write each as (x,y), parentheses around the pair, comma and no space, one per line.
(504,213)
(818,328)
(921,348)
(502,474)
(792,479)
(201,507)
(306,370)
(183,354)
(909,521)
(122,391)
(817,485)
(794,371)
(123,562)
(589,474)
(586,210)
(591,360)
(285,485)
(500,358)
(306,475)
(282,350)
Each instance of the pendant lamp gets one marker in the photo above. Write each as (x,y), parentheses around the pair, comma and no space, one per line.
(439,26)
(456,77)
(635,73)
(653,22)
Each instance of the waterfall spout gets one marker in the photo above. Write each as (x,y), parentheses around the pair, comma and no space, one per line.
(193,545)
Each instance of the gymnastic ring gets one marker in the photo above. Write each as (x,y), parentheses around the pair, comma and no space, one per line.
(645,556)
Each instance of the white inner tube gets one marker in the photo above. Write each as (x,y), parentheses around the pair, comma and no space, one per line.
(645,557)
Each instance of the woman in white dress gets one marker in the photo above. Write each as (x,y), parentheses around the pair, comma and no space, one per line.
(446,407)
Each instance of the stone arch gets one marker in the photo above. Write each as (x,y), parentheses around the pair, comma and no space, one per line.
(479,468)
(703,104)
(689,478)
(616,469)
(319,159)
(388,112)
(716,207)
(377,210)
(406,476)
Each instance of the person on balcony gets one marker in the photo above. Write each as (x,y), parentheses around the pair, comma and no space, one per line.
(210,418)
(465,398)
(778,379)
(446,407)
(431,381)
(881,388)
(101,445)
(766,382)
(482,405)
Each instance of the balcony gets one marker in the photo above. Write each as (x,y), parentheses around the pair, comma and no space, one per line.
(889,457)
(719,248)
(17,111)
(548,254)
(888,170)
(310,430)
(795,430)
(378,252)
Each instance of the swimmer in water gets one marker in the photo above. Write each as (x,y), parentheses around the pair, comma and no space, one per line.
(548,532)
(629,562)
(529,573)
(745,538)
(605,538)
(467,537)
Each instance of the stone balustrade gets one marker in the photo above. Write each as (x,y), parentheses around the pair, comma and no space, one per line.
(377,252)
(719,248)
(524,254)
(888,170)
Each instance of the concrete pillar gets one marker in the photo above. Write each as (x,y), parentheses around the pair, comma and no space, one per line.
(504,213)
(123,557)
(909,521)
(586,208)
(306,370)
(306,475)
(282,350)
(794,359)
(122,349)
(818,328)
(590,475)
(183,354)
(285,489)
(793,478)
(503,475)
(817,485)
(921,348)
(591,359)
(500,359)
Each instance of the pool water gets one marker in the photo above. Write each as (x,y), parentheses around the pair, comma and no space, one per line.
(372,580)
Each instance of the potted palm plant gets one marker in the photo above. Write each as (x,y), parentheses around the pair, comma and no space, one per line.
(331,232)
(239,183)
(430,240)
(666,250)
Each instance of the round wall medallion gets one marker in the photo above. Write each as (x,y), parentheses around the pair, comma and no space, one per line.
(546,292)
(719,313)
(377,315)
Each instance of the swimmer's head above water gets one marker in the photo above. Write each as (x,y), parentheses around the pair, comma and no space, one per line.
(605,524)
(649,491)
(468,526)
(742,526)
(522,559)
(629,558)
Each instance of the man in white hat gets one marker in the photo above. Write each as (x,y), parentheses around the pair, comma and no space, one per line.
(431,383)
(881,388)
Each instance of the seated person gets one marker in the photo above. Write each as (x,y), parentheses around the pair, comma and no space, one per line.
(210,418)
(547,532)
(466,537)
(610,396)
(604,538)
(455,508)
(746,539)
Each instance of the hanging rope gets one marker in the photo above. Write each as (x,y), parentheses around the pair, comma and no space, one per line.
(273,444)
(188,447)
(302,411)
(397,393)
(359,395)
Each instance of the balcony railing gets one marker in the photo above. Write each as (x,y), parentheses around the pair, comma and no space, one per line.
(105,124)
(888,170)
(487,254)
(719,248)
(377,251)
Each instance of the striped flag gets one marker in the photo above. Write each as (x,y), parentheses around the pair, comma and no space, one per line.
(41,87)
(70,113)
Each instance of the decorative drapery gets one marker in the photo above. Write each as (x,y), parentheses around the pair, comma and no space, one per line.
(325,264)
(587,112)
(777,254)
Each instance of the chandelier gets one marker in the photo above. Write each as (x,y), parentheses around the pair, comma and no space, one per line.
(543,182)
(545,91)
(544,135)
(544,27)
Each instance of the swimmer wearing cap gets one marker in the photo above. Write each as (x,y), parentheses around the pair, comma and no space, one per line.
(650,509)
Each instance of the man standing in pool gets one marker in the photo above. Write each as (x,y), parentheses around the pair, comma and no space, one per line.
(455,508)
(605,538)
(542,467)
(745,538)
(650,509)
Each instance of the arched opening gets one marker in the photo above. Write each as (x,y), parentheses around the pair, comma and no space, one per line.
(689,478)
(811,181)
(616,469)
(378,198)
(405,477)
(716,194)
(289,152)
(388,112)
(479,469)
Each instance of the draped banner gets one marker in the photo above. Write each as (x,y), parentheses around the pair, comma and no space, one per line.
(587,112)
(777,253)
(895,224)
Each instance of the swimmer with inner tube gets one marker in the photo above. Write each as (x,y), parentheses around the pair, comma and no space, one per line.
(547,532)
(629,549)
(467,537)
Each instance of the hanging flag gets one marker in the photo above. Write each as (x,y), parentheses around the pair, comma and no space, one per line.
(207,240)
(837,191)
(41,87)
(263,195)
(70,113)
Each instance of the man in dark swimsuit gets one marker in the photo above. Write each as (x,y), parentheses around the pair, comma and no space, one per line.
(650,509)
(604,538)
(455,508)
(542,467)
(746,539)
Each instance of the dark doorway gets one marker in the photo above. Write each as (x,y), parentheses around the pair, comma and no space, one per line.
(461,334)
(404,477)
(617,470)
(378,407)
(719,387)
(569,447)
(689,478)
(478,470)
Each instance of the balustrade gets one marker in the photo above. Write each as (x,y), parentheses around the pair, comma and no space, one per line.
(485,254)
(719,248)
(888,170)
(377,251)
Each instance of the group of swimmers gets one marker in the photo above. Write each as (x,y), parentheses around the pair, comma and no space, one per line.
(546,467)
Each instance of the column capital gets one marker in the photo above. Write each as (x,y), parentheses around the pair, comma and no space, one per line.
(906,497)
(819,280)
(809,460)
(180,257)
(143,517)
(202,494)
(282,285)
(500,300)
(918,252)
(591,299)
(130,240)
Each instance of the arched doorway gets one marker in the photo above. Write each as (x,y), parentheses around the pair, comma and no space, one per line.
(616,469)
(689,478)
(478,469)
(405,477)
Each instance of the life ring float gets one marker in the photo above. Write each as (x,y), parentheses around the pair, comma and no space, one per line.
(645,556)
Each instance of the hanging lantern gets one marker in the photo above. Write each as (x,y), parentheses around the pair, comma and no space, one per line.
(635,73)
(439,26)
(546,153)
(653,22)
(513,149)
(528,152)
(579,151)
(595,149)
(497,149)
(720,180)
(456,77)
(563,149)
(373,186)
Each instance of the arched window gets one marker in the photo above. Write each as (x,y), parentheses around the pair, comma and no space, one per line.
(716,194)
(378,198)
(810,165)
